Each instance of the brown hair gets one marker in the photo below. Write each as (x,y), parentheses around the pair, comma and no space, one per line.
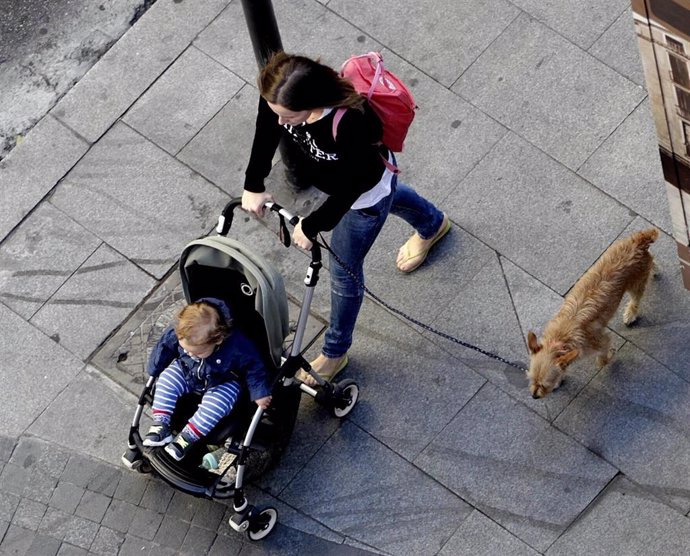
(200,323)
(299,83)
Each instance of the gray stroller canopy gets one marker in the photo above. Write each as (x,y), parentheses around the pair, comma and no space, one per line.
(221,252)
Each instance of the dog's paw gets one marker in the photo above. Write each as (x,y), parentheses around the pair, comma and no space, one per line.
(602,360)
(630,315)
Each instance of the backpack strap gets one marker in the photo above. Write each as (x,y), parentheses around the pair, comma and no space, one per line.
(339,113)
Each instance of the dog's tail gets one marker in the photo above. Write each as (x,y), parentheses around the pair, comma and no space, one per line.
(646,237)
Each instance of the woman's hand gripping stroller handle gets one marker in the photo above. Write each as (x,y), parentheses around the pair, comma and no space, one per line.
(228,212)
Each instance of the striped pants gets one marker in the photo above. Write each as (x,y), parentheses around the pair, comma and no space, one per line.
(216,402)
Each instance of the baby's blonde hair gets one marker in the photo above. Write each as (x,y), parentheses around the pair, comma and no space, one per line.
(200,323)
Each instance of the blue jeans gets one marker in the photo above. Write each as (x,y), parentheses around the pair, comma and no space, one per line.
(351,240)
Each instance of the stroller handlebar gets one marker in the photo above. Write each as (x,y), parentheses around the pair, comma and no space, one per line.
(227,214)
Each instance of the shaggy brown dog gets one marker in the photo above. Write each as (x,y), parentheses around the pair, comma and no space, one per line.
(579,327)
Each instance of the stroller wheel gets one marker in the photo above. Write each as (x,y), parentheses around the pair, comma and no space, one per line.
(344,397)
(261,524)
(144,468)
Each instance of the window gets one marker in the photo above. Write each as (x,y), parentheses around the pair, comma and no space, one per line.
(683,102)
(673,44)
(679,71)
(686,133)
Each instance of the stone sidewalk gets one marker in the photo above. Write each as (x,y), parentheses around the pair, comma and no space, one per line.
(533,134)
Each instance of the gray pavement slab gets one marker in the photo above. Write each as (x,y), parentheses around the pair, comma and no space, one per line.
(190,92)
(92,415)
(40,256)
(480,536)
(634,414)
(45,370)
(626,167)
(132,64)
(548,91)
(139,200)
(442,39)
(376,497)
(511,465)
(581,24)
(617,48)
(103,291)
(429,385)
(220,150)
(33,168)
(550,209)
(626,519)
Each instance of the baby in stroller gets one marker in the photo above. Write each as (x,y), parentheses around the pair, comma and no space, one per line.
(202,353)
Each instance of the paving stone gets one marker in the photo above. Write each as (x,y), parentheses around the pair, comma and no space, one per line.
(618,48)
(144,204)
(37,259)
(17,540)
(71,550)
(209,514)
(7,445)
(93,302)
(30,387)
(356,499)
(134,546)
(131,65)
(33,168)
(183,100)
(9,502)
(171,533)
(40,457)
(29,514)
(80,469)
(4,525)
(80,532)
(565,202)
(119,516)
(145,523)
(131,487)
(93,506)
(625,519)
(216,151)
(464,28)
(626,166)
(158,550)
(43,545)
(87,415)
(183,506)
(66,497)
(21,482)
(386,351)
(479,536)
(548,91)
(157,496)
(635,413)
(515,468)
(197,541)
(568,18)
(107,542)
(225,546)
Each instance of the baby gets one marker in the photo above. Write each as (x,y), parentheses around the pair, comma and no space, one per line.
(202,354)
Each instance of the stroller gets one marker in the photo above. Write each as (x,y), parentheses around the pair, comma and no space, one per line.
(249,441)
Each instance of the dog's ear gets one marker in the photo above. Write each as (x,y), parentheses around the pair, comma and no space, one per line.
(568,357)
(532,342)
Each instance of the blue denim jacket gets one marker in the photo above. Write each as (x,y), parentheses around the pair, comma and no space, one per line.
(237,357)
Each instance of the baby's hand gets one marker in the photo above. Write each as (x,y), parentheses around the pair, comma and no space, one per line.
(263,403)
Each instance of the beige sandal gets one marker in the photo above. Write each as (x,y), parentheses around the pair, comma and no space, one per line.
(420,256)
(316,365)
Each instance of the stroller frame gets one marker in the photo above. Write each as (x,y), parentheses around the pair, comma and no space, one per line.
(339,397)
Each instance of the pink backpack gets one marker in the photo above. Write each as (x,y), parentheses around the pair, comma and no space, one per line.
(388,96)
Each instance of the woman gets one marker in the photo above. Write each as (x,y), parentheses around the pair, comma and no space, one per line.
(299,98)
